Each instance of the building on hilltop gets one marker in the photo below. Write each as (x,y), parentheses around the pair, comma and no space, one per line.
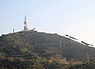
(34,29)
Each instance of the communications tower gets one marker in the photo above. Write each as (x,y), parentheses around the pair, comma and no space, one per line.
(25,25)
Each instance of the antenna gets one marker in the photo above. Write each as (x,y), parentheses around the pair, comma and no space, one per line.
(25,11)
(25,14)
(25,23)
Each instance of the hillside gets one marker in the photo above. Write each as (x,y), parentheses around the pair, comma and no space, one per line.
(45,45)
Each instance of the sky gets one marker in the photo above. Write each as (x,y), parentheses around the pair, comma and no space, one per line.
(73,17)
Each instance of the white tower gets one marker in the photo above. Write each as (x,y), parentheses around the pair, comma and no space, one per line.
(25,25)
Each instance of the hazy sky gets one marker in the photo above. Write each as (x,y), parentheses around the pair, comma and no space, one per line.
(73,17)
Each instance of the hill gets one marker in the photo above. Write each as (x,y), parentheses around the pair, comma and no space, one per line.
(45,45)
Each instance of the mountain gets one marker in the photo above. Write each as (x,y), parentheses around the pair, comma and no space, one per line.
(45,45)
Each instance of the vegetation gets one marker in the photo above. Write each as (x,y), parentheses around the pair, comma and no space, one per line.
(39,50)
(9,63)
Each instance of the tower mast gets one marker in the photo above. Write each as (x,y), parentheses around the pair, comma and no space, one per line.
(25,25)
(60,44)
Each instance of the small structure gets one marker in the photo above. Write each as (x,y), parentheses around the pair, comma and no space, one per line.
(34,29)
